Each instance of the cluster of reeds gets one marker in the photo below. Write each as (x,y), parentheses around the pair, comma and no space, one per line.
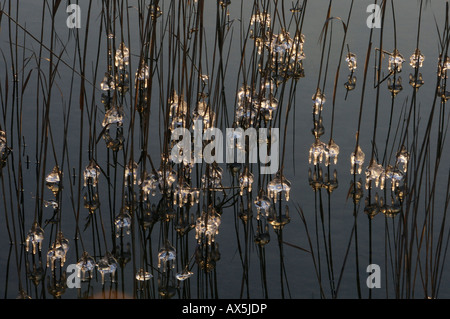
(140,219)
(401,172)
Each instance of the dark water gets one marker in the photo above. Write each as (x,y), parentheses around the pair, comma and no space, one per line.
(238,272)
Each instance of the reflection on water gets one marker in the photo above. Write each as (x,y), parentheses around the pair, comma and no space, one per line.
(100,200)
